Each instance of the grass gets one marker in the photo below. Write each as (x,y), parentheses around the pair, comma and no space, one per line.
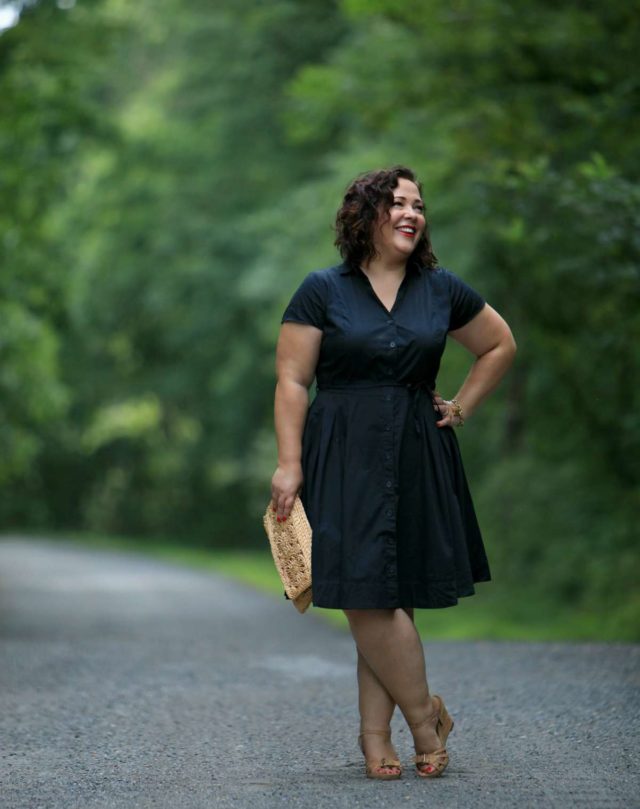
(493,613)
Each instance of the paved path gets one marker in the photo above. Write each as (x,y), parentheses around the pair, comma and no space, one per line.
(127,682)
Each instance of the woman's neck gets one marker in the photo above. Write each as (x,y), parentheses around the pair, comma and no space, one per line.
(379,266)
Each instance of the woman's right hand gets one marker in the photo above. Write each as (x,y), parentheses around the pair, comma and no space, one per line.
(285,484)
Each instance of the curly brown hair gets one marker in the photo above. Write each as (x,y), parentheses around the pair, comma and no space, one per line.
(365,198)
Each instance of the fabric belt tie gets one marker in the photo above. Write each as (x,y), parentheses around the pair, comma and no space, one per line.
(416,389)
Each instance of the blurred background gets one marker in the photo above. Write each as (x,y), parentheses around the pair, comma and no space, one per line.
(169,172)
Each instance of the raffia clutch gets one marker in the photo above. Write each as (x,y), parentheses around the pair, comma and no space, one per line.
(291,550)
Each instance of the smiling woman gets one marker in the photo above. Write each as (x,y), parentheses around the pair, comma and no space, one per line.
(396,190)
(375,458)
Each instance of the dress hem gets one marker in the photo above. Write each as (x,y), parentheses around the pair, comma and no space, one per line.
(327,600)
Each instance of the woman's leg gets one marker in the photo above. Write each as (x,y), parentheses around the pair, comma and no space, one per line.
(376,707)
(390,645)
(374,701)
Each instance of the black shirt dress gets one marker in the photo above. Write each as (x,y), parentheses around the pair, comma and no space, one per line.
(384,488)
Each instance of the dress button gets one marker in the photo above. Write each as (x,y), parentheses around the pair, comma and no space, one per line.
(387,427)
(387,398)
(389,484)
(389,512)
(387,456)
(392,344)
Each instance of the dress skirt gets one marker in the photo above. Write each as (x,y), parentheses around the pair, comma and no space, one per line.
(387,498)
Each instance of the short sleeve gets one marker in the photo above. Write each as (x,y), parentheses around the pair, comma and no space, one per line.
(308,303)
(465,302)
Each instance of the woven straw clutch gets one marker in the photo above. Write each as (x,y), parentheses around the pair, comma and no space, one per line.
(291,550)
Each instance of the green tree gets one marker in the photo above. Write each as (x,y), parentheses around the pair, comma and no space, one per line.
(172,172)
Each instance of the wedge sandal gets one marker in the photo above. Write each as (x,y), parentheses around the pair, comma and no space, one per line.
(438,759)
(375,767)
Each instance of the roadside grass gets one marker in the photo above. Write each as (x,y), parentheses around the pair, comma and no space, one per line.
(495,612)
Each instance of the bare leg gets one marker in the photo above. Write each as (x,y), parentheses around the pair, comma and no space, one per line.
(376,707)
(374,701)
(389,643)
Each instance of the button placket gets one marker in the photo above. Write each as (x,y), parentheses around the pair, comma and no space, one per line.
(387,449)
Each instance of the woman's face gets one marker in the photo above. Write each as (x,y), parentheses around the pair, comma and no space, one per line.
(398,231)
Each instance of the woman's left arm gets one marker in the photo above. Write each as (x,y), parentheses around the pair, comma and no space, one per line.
(488,336)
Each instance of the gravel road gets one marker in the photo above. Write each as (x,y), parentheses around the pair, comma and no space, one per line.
(128,682)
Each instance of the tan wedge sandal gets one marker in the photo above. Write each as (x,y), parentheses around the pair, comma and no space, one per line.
(437,759)
(374,767)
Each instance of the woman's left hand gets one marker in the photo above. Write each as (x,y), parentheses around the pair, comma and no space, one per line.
(447,411)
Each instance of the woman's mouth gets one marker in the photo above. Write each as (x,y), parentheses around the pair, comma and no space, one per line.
(407,230)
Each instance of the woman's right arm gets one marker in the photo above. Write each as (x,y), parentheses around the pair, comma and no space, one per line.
(296,359)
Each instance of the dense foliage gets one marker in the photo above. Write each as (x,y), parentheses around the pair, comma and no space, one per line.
(170,172)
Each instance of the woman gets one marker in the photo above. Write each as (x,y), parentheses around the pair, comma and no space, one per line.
(375,458)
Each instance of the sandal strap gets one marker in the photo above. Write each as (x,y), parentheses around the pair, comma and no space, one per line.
(375,733)
(388,762)
(436,757)
(435,713)
(378,764)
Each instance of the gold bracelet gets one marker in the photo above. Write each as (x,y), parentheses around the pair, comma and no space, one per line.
(457,411)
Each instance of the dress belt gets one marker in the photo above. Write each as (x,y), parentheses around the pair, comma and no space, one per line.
(415,388)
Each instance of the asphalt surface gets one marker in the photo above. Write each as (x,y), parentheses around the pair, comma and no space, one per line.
(129,682)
